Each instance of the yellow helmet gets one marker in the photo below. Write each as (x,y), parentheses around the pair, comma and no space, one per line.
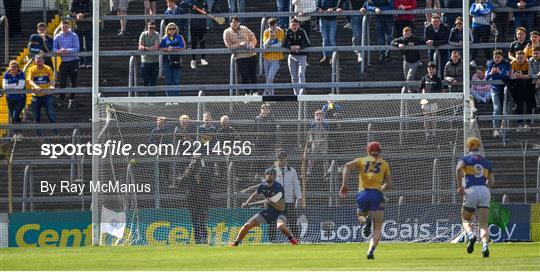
(472,143)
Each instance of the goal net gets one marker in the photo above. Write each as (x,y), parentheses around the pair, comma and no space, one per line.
(195,160)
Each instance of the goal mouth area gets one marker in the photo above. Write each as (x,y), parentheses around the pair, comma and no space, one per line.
(412,136)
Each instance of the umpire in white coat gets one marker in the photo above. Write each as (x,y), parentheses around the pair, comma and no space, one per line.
(288,178)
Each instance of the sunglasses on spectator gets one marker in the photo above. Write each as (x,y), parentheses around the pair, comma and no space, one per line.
(152,27)
(171,29)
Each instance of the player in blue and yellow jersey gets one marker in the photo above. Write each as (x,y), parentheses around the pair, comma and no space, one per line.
(476,196)
(269,188)
(374,178)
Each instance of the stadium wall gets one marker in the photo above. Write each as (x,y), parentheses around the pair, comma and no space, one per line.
(317,225)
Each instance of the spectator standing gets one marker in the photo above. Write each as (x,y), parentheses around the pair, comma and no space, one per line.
(150,7)
(198,179)
(81,11)
(411,58)
(266,136)
(328,26)
(535,42)
(173,9)
(437,34)
(501,20)
(172,42)
(41,81)
(430,83)
(240,37)
(453,72)
(273,37)
(356,24)
(66,43)
(14,79)
(207,131)
(456,34)
(197,29)
(121,7)
(149,42)
(403,20)
(450,18)
(432,4)
(534,73)
(296,39)
(523,18)
(225,131)
(304,7)
(521,88)
(40,43)
(519,44)
(288,178)
(12,9)
(283,6)
(481,13)
(480,92)
(383,23)
(497,69)
(317,148)
(237,6)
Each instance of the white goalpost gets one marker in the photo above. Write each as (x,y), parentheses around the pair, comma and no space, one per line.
(188,171)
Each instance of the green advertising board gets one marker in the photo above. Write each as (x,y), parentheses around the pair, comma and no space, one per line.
(50,229)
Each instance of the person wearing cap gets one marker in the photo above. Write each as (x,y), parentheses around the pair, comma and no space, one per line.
(477,173)
(274,211)
(40,43)
(288,178)
(374,178)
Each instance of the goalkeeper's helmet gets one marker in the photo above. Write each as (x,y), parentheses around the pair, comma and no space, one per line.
(373,148)
(270,171)
(472,143)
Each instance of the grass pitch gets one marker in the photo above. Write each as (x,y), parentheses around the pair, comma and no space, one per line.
(504,256)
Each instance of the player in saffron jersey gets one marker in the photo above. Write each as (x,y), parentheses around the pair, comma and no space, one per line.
(374,177)
(274,193)
(476,196)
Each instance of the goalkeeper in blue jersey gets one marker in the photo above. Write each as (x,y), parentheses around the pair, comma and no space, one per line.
(275,202)
(476,196)
(374,177)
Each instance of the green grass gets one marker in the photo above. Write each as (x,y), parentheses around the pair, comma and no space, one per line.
(504,256)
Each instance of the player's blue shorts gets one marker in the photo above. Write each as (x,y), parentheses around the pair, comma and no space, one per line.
(370,200)
(271,215)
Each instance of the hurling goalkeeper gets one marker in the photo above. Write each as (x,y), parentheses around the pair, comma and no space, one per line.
(274,193)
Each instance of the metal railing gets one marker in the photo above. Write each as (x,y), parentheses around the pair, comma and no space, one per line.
(434,182)
(133,80)
(335,71)
(261,45)
(28,190)
(4,20)
(232,75)
(76,170)
(293,14)
(161,29)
